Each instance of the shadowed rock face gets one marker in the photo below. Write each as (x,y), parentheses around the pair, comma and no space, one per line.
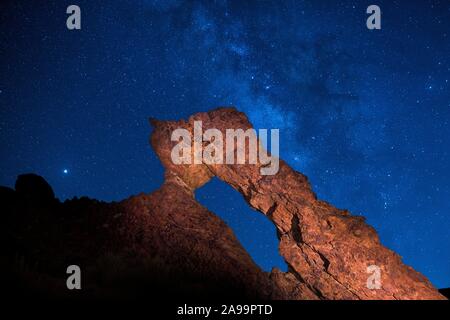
(165,244)
(327,250)
(445,292)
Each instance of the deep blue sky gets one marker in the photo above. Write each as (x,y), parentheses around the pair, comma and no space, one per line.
(363,113)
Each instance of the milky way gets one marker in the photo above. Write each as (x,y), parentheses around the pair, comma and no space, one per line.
(363,113)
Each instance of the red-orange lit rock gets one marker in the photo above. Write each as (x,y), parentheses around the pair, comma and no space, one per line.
(327,249)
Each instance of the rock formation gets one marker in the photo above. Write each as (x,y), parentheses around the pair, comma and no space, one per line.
(327,250)
(167,243)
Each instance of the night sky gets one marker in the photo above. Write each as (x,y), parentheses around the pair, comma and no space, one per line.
(363,113)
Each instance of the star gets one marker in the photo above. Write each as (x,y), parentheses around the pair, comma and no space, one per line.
(65,171)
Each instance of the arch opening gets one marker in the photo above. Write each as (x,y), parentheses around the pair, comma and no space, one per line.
(255,232)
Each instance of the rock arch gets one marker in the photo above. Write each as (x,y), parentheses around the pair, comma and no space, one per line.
(327,250)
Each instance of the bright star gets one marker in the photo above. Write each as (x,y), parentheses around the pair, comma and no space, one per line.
(65,171)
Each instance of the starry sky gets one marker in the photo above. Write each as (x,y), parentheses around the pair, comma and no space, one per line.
(363,113)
